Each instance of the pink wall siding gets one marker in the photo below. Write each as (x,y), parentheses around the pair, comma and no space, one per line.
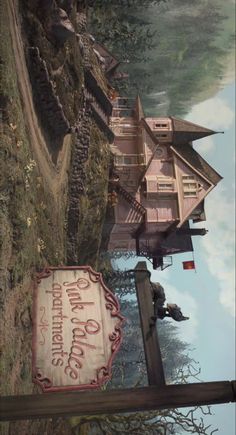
(161,209)
(124,213)
(166,209)
(149,145)
(129,176)
(161,127)
(126,145)
(158,167)
(152,122)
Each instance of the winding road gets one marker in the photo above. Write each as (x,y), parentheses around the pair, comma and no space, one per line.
(55,176)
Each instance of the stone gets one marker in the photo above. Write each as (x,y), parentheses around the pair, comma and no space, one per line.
(60,26)
(25,319)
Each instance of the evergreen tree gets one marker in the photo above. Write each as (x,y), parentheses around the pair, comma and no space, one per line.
(177,50)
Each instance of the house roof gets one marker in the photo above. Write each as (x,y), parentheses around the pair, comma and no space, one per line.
(138,109)
(191,156)
(111,61)
(156,143)
(185,131)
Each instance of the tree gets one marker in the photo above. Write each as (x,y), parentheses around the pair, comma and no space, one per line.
(165,422)
(129,370)
(148,423)
(179,47)
(124,29)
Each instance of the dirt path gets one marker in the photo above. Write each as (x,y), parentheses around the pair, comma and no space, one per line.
(54,175)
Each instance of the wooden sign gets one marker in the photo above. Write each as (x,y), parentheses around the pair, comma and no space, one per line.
(77,329)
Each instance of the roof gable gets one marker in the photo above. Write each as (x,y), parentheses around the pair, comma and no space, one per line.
(191,156)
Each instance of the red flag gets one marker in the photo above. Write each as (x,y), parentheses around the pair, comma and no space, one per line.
(188,265)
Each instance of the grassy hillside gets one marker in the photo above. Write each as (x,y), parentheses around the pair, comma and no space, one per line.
(34,200)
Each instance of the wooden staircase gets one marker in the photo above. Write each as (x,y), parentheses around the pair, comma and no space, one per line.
(129,198)
(99,103)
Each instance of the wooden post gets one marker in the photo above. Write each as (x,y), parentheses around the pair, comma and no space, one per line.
(115,401)
(152,350)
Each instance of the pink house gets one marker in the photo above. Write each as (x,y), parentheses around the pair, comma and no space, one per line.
(161,183)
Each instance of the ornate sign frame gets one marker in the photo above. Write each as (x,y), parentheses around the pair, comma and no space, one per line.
(109,326)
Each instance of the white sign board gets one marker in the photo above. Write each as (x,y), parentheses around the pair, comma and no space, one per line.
(77,329)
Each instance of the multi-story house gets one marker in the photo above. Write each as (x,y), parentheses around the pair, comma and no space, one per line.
(161,183)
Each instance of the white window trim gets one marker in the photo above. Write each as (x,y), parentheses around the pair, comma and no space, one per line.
(191,187)
(162,179)
(164,186)
(189,177)
(161,125)
(190,194)
(134,159)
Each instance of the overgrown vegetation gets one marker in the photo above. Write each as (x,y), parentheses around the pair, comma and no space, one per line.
(93,203)
(64,62)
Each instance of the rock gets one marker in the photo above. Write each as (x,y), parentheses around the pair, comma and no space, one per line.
(67,5)
(25,318)
(60,26)
(47,4)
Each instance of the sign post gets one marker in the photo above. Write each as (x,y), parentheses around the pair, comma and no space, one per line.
(114,401)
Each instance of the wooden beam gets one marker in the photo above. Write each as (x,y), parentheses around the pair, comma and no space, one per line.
(152,350)
(114,401)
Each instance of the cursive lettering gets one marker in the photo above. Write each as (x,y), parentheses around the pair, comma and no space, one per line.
(77,351)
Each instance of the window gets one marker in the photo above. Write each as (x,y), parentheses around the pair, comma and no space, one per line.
(165,186)
(160,125)
(165,183)
(190,186)
(188,178)
(191,193)
(161,135)
(126,160)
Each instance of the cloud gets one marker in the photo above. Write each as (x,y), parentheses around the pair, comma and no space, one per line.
(214,113)
(219,246)
(205,145)
(188,329)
